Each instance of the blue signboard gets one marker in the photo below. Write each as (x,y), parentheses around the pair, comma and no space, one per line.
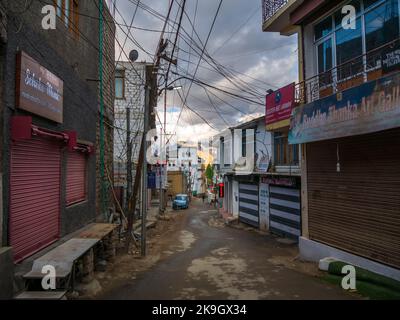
(371,107)
(151,180)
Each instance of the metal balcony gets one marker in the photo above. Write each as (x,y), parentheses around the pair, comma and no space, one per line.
(270,7)
(350,74)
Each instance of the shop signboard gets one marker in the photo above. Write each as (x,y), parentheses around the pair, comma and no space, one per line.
(371,107)
(279,104)
(38,90)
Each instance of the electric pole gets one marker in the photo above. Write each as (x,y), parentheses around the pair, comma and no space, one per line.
(129,157)
(144,170)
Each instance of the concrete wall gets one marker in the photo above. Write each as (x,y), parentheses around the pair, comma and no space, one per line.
(6,273)
(314,251)
(71,59)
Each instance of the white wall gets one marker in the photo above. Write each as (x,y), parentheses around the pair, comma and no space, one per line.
(235,198)
(263,205)
(263,147)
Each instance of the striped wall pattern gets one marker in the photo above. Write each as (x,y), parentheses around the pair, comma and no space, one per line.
(285,212)
(248,204)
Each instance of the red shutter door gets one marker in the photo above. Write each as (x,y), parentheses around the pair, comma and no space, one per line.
(34,195)
(76,177)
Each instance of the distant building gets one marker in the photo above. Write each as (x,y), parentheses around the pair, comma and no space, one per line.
(186,160)
(130,78)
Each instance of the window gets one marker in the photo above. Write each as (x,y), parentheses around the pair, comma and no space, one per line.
(348,47)
(243,142)
(68,12)
(325,62)
(119,84)
(221,148)
(323,28)
(377,23)
(285,154)
(76,178)
(381,26)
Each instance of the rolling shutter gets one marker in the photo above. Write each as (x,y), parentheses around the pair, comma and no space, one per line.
(285,211)
(248,204)
(34,195)
(358,208)
(76,177)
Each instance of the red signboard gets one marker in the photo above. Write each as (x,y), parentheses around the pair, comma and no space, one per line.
(279,104)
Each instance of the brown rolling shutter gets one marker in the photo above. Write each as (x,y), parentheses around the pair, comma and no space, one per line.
(358,208)
(76,177)
(34,195)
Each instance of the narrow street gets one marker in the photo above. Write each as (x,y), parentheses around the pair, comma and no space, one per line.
(200,258)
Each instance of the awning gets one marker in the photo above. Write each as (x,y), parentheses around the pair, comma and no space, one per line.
(23,129)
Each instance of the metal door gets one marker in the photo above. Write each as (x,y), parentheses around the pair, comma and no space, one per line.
(285,211)
(34,196)
(76,177)
(248,204)
(356,208)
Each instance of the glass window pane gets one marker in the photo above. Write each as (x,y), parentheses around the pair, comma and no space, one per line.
(369,3)
(119,88)
(382,25)
(325,56)
(323,28)
(59,7)
(338,16)
(66,13)
(348,43)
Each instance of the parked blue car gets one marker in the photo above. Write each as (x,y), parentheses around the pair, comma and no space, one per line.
(181,201)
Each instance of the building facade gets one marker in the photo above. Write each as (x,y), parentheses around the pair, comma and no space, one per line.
(259,188)
(49,113)
(129,94)
(347,121)
(186,159)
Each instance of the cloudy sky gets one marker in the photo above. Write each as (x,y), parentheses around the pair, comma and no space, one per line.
(256,61)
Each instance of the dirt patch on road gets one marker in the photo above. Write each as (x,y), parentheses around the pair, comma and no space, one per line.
(228,274)
(159,240)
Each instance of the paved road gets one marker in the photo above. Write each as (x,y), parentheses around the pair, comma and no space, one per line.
(210,261)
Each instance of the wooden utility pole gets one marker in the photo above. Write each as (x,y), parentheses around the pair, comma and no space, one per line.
(133,198)
(128,157)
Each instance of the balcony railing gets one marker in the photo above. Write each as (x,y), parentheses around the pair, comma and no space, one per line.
(270,7)
(350,74)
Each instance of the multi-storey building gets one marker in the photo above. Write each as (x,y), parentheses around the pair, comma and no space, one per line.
(186,160)
(130,81)
(347,120)
(49,112)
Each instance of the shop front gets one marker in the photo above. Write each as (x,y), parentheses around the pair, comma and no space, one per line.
(353,172)
(50,171)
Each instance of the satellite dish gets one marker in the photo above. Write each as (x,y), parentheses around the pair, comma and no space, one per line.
(133,55)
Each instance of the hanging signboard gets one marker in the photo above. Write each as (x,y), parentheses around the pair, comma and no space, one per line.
(279,104)
(371,107)
(151,180)
(38,90)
